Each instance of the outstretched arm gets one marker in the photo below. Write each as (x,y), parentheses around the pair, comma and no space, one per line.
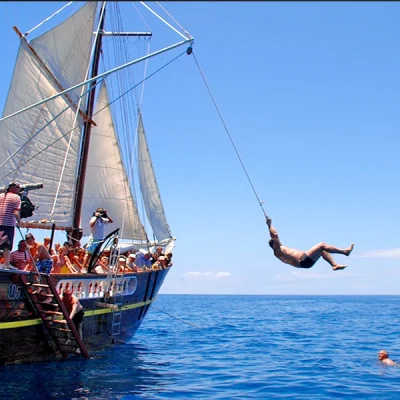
(272,231)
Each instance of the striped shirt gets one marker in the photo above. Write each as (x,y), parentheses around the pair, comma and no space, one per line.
(19,259)
(9,202)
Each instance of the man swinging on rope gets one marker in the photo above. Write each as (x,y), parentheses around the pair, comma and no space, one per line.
(301,259)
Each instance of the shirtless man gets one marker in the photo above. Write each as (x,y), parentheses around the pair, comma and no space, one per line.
(383,356)
(301,259)
(40,254)
(75,310)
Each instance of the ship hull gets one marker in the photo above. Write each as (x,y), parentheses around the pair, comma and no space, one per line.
(114,310)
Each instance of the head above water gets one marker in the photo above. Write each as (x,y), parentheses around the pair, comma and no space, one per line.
(383,354)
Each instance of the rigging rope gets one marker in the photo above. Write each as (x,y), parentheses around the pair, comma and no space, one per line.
(120,82)
(176,22)
(47,19)
(230,136)
(78,125)
(77,113)
(163,20)
(195,326)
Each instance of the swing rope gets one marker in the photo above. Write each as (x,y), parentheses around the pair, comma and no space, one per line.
(173,316)
(230,137)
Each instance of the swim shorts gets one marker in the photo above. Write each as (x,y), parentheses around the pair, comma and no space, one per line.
(44,266)
(306,262)
(93,245)
(78,317)
(9,232)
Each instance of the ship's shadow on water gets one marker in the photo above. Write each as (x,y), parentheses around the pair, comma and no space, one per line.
(123,367)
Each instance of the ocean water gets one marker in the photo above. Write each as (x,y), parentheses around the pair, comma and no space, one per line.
(234,347)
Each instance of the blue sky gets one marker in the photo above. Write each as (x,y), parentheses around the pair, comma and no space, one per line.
(309,92)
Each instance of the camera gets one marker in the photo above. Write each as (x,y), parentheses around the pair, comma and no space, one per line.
(23,188)
(100,212)
(27,207)
(31,186)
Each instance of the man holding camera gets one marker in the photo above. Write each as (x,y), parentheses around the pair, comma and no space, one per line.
(10,205)
(96,223)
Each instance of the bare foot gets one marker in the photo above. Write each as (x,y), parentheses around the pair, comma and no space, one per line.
(349,250)
(338,267)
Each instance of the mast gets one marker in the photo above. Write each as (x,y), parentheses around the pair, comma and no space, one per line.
(76,233)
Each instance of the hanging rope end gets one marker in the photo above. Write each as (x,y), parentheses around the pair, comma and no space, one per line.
(189,50)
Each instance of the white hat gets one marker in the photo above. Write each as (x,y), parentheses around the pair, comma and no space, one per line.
(132,256)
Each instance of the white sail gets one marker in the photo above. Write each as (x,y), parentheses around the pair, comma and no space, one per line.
(106,183)
(65,50)
(150,193)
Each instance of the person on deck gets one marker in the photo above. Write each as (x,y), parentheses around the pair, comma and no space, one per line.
(168,259)
(131,263)
(69,250)
(59,263)
(69,258)
(21,258)
(383,356)
(40,254)
(102,266)
(10,205)
(79,258)
(158,253)
(96,223)
(144,260)
(305,259)
(46,243)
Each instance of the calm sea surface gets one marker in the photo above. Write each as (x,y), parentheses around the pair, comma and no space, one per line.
(245,347)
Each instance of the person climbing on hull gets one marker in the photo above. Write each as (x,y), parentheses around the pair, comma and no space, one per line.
(305,259)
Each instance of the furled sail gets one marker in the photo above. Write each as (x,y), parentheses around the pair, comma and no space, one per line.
(106,183)
(65,50)
(148,185)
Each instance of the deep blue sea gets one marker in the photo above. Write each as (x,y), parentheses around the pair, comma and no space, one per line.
(243,347)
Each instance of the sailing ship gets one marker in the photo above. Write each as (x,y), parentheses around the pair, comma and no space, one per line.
(60,137)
